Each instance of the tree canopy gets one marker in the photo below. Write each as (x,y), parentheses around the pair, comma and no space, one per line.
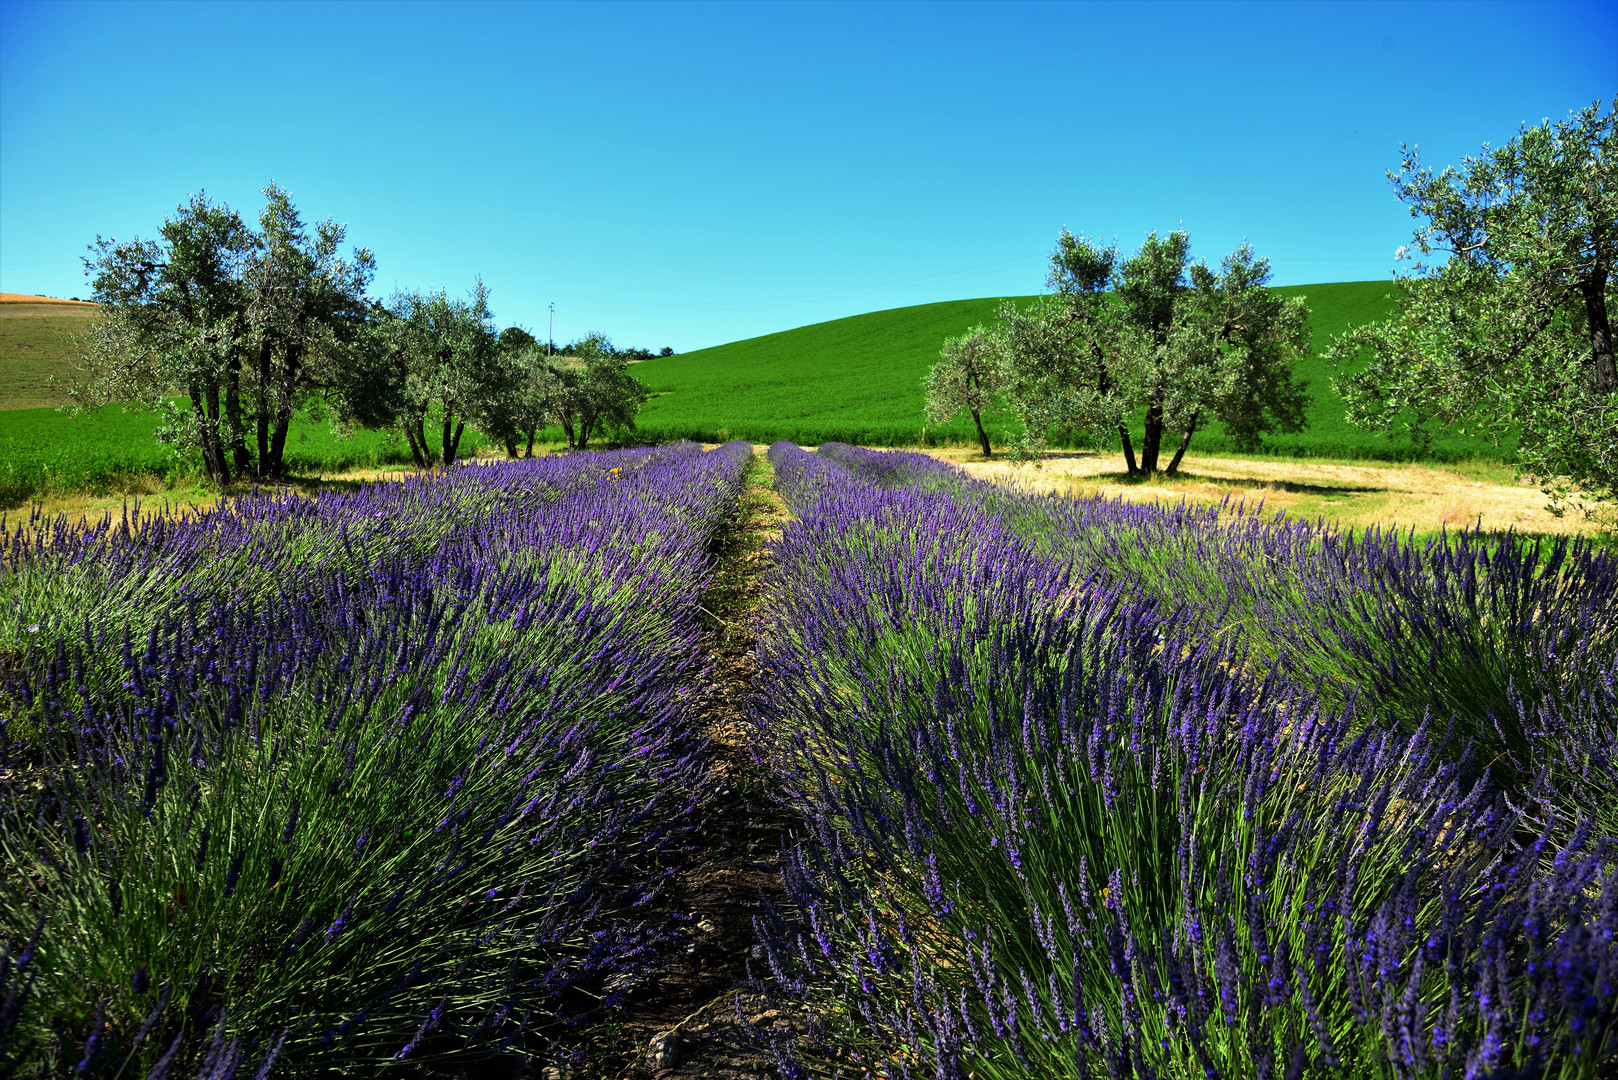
(966,376)
(1156,335)
(252,325)
(447,358)
(242,322)
(593,391)
(1504,317)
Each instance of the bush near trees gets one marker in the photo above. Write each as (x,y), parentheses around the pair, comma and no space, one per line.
(1509,326)
(253,325)
(1154,333)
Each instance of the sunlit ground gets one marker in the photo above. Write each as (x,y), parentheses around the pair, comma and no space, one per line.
(1361,493)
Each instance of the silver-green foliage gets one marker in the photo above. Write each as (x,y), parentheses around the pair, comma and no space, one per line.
(1506,328)
(1158,335)
(442,356)
(590,391)
(245,323)
(967,376)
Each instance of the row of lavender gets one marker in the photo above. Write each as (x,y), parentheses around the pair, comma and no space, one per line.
(360,777)
(1095,790)
(1512,645)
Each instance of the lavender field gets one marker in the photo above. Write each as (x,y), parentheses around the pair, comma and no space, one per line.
(349,780)
(399,779)
(1103,790)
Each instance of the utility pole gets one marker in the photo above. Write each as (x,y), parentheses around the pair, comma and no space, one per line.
(550,336)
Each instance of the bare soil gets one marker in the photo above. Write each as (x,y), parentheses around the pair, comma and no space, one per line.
(692,1010)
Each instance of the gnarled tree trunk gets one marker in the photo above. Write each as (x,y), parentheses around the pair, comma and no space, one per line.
(234,423)
(265,353)
(283,413)
(1152,438)
(205,403)
(1129,449)
(1185,441)
(1603,368)
(983,438)
(416,435)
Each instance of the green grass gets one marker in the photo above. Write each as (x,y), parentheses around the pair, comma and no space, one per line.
(38,341)
(856,380)
(859,380)
(47,452)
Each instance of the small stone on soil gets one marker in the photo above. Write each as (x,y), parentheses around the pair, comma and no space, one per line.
(664,1050)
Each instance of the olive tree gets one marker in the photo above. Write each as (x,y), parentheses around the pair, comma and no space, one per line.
(245,324)
(306,306)
(592,391)
(520,397)
(1503,321)
(1154,335)
(444,356)
(173,318)
(966,376)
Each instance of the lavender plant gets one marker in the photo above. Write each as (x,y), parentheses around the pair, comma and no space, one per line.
(410,804)
(1490,634)
(1054,835)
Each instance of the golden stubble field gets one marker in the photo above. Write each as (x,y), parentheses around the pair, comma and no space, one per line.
(1354,494)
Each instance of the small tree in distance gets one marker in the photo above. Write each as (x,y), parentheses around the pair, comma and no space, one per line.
(602,394)
(447,361)
(966,376)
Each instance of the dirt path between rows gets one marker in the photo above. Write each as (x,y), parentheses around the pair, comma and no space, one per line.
(686,1025)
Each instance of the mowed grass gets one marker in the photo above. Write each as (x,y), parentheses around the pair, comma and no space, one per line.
(1429,497)
(39,338)
(859,380)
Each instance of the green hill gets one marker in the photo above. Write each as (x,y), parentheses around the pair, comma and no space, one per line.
(38,340)
(856,380)
(859,380)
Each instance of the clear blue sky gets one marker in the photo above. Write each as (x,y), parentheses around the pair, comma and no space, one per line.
(687,175)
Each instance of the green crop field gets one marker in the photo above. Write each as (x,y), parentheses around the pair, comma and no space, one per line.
(856,380)
(859,380)
(43,451)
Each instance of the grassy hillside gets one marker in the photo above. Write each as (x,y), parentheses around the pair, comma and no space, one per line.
(859,380)
(38,339)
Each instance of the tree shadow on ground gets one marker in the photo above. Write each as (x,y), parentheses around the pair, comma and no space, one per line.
(1292,487)
(312,485)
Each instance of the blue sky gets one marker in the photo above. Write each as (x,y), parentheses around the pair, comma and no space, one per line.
(686,175)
